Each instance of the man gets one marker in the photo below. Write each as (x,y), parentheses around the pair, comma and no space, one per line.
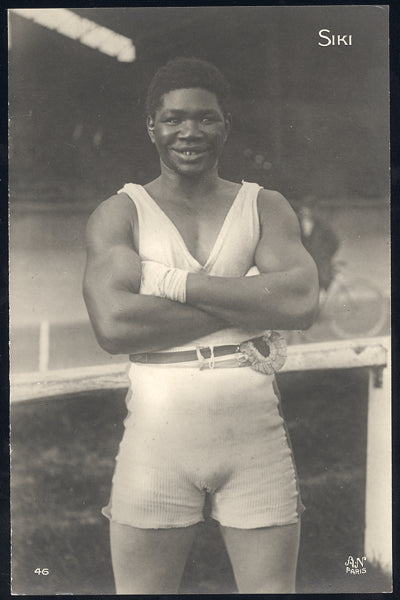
(319,240)
(165,282)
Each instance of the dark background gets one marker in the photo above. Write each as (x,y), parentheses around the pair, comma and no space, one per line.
(317,114)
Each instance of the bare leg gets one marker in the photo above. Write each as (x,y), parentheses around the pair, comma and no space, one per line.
(264,560)
(149,561)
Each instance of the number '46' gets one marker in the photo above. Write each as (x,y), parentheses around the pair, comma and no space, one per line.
(41,571)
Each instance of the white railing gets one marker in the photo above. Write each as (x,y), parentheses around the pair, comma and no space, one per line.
(370,353)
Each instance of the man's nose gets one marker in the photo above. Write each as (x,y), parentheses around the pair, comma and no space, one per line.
(190,128)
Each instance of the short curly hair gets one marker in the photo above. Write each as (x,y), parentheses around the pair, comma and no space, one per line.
(185,72)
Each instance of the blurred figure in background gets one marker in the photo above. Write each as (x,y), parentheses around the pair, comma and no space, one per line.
(319,240)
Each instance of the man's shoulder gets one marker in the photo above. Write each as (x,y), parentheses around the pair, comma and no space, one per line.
(116,207)
(272,203)
(112,219)
(273,196)
(277,217)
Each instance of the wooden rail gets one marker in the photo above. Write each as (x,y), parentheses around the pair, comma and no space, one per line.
(371,353)
(349,354)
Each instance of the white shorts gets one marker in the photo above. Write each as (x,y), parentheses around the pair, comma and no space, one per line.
(191,431)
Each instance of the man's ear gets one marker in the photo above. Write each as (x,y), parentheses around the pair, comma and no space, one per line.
(228,124)
(150,128)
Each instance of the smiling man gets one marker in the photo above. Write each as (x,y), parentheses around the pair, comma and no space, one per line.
(167,282)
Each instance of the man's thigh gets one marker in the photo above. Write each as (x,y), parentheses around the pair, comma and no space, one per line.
(149,561)
(264,560)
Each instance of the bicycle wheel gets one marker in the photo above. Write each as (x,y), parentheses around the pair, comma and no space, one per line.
(356,308)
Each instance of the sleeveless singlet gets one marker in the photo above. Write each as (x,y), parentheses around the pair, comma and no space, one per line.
(189,431)
(231,256)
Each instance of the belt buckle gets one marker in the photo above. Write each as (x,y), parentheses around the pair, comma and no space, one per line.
(205,362)
(241,358)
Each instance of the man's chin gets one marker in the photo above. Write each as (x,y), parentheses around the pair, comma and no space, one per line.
(190,170)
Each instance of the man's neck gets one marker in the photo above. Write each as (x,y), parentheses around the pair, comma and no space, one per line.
(187,188)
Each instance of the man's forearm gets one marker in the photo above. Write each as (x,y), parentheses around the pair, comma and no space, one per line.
(141,323)
(282,300)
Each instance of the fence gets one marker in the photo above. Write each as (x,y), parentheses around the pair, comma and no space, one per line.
(372,354)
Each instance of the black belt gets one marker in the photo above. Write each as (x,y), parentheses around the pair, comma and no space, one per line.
(183,355)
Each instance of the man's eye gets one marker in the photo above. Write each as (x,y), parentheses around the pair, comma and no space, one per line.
(208,120)
(172,121)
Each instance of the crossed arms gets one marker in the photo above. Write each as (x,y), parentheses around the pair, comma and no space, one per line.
(283,296)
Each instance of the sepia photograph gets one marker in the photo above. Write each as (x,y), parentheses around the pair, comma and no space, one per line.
(199,273)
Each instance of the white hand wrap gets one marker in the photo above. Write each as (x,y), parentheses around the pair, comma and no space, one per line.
(162,281)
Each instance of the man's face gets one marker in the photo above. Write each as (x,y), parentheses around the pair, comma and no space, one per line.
(189,130)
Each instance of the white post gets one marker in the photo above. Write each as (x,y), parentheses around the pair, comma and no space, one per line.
(378,512)
(44,346)
(9,30)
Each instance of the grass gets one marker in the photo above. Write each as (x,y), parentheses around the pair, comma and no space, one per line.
(62,461)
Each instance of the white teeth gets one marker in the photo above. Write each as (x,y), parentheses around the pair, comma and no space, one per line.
(190,152)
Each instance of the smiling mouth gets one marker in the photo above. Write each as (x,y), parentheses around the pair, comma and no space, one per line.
(190,152)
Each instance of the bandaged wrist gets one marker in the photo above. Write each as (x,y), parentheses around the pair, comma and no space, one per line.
(162,281)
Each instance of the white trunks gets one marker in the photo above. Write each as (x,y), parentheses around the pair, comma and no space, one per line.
(191,431)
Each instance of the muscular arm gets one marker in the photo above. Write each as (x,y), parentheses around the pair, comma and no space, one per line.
(283,296)
(123,320)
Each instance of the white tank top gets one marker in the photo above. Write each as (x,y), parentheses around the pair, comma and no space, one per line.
(231,256)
